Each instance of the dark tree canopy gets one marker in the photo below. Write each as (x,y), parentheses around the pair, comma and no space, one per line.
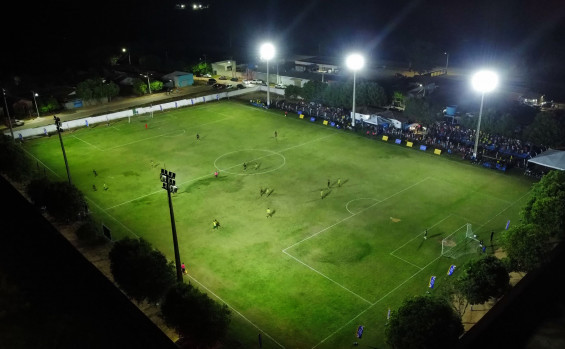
(527,246)
(423,323)
(140,270)
(194,315)
(482,279)
(546,207)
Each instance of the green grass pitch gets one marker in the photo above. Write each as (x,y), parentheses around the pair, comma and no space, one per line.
(310,274)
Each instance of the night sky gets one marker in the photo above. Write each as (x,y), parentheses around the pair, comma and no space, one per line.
(57,35)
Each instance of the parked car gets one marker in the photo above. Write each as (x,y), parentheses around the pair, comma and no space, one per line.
(17,122)
(228,86)
(246,82)
(223,77)
(240,86)
(207,75)
(280,86)
(233,79)
(211,81)
(257,81)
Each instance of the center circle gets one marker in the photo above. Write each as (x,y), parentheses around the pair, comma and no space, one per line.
(257,161)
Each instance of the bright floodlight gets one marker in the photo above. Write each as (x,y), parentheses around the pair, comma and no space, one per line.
(485,81)
(355,61)
(267,51)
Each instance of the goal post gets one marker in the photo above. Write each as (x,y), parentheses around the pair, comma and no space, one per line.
(460,242)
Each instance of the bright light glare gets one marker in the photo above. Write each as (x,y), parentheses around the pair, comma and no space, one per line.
(124,50)
(485,81)
(267,51)
(355,61)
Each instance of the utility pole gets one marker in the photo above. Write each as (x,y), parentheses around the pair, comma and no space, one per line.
(8,114)
(168,179)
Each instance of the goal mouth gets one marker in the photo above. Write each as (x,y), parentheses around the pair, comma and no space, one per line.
(459,243)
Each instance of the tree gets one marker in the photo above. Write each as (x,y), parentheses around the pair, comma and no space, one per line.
(140,270)
(139,87)
(424,322)
(64,201)
(546,207)
(96,89)
(201,68)
(483,279)
(527,246)
(156,85)
(292,91)
(194,315)
(48,105)
(419,109)
(313,90)
(14,162)
(371,94)
(547,128)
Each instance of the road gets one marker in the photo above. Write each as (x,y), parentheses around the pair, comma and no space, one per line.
(119,103)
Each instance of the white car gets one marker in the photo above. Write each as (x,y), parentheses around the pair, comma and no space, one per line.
(280,86)
(17,122)
(257,81)
(246,82)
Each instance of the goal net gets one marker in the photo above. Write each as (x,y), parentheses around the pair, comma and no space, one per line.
(460,242)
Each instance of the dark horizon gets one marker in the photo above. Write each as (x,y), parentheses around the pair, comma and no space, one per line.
(77,35)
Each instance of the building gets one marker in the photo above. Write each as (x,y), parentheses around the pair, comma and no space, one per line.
(179,79)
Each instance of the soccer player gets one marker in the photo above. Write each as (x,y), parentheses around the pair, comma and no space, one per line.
(339,182)
(426,235)
(216,174)
(95,174)
(268,212)
(245,166)
(322,194)
(197,137)
(329,183)
(94,187)
(105,186)
(276,134)
(183,268)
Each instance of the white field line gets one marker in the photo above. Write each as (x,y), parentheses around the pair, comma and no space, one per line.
(405,261)
(394,289)
(409,241)
(163,134)
(39,161)
(235,310)
(504,209)
(82,140)
(327,277)
(112,217)
(375,303)
(207,175)
(354,214)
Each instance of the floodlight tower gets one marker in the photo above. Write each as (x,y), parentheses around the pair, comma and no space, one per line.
(124,50)
(354,62)
(168,179)
(59,127)
(267,53)
(483,81)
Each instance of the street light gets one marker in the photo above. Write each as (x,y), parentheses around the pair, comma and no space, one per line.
(483,81)
(267,52)
(168,179)
(124,50)
(59,127)
(148,83)
(35,100)
(354,62)
(446,61)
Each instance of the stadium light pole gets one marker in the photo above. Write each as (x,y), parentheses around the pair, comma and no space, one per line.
(59,127)
(148,83)
(267,53)
(354,62)
(483,81)
(8,114)
(35,100)
(168,179)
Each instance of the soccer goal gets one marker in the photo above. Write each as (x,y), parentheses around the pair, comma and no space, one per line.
(460,242)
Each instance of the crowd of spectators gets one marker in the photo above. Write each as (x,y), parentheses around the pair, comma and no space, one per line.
(496,151)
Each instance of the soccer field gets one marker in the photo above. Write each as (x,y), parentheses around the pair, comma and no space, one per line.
(328,259)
